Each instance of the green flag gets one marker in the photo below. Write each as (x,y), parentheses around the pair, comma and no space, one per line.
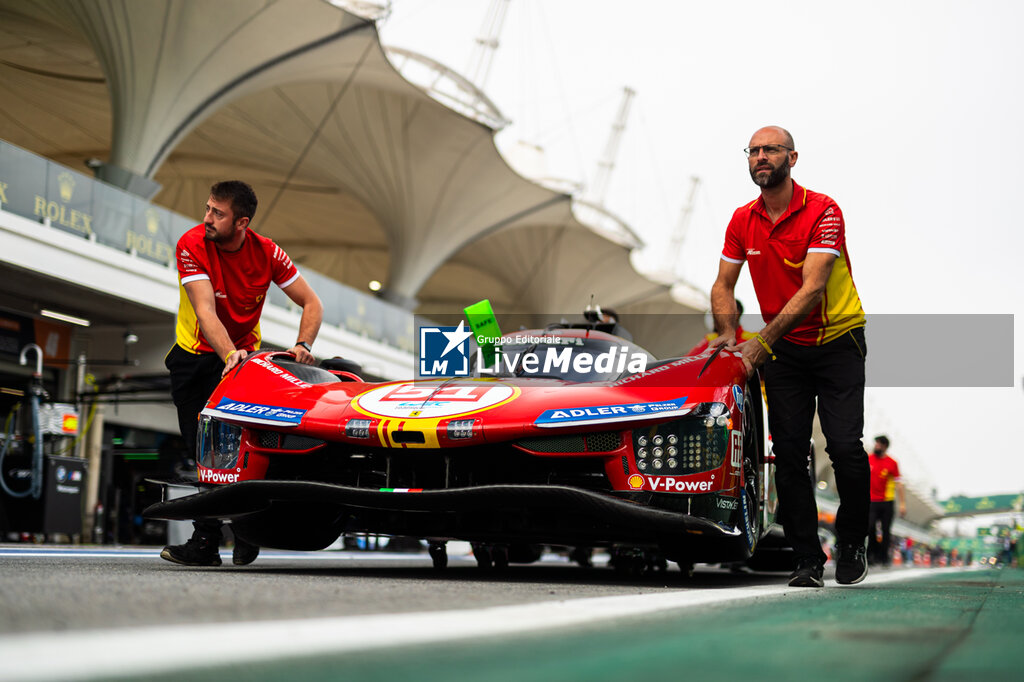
(485,327)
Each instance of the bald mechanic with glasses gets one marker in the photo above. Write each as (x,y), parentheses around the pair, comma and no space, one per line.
(812,347)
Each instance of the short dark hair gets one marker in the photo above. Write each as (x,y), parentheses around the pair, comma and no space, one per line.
(241,195)
(884,440)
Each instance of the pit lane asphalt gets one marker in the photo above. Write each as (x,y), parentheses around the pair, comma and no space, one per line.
(50,588)
(355,615)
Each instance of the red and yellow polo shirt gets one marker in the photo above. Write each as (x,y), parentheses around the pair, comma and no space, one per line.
(775,253)
(240,282)
(884,474)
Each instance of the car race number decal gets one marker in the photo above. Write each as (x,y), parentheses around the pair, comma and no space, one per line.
(433,400)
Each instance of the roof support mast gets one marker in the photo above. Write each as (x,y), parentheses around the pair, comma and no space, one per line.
(599,188)
(682,227)
(479,67)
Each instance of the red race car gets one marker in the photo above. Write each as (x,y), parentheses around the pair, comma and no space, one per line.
(642,457)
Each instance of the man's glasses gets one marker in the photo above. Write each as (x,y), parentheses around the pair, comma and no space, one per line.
(769,149)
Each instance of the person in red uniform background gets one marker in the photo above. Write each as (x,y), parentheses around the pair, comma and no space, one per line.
(794,242)
(224,272)
(741,334)
(885,483)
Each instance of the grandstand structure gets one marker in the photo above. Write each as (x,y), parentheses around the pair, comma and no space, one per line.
(372,164)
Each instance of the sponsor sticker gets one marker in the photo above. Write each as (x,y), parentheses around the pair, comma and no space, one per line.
(730,503)
(657,370)
(215,476)
(749,530)
(599,413)
(431,400)
(737,394)
(287,376)
(284,415)
(636,482)
(736,450)
(670,484)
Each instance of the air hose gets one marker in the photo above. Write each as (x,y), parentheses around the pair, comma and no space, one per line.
(35,488)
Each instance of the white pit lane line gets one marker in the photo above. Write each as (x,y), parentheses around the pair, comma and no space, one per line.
(225,555)
(150,650)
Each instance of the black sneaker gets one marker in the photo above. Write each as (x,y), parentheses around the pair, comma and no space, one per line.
(807,574)
(195,552)
(244,553)
(851,564)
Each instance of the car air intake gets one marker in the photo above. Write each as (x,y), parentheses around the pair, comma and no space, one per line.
(292,442)
(605,441)
(408,437)
(268,439)
(273,440)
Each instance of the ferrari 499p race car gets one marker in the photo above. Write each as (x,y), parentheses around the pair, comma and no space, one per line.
(660,457)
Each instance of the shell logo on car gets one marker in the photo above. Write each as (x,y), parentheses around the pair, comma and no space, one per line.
(636,482)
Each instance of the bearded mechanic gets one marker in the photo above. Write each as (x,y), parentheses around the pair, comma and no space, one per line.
(224,272)
(812,345)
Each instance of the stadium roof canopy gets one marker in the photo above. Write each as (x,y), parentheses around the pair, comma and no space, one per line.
(361,174)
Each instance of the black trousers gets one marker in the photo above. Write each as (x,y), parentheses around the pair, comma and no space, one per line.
(879,550)
(831,378)
(193,378)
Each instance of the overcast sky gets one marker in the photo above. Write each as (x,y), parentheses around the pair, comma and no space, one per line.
(902,112)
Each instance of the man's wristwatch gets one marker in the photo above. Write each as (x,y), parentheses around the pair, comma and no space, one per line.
(304,345)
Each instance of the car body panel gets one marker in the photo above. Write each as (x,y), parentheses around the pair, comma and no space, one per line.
(669,458)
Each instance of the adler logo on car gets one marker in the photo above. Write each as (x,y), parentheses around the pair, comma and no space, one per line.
(596,414)
(285,415)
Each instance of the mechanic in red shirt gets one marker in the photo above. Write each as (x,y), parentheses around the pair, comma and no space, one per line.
(224,272)
(885,483)
(813,343)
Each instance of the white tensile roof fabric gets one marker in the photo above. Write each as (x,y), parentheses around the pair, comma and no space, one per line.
(360,174)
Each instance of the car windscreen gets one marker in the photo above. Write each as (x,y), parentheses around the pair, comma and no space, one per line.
(570,358)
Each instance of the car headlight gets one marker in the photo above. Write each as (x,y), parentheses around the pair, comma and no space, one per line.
(219,444)
(460,429)
(696,442)
(358,428)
